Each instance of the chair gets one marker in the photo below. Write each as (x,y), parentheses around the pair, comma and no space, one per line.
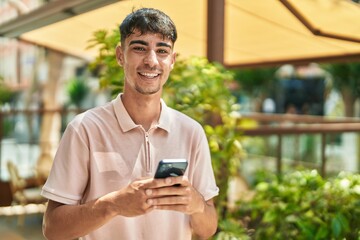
(25,194)
(24,191)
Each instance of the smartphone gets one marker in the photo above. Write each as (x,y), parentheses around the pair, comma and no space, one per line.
(171,168)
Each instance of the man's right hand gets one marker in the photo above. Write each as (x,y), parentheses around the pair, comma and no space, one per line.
(132,200)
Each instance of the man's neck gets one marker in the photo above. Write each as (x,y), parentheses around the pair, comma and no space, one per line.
(143,110)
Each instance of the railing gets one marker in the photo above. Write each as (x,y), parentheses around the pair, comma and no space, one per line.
(268,125)
(290,124)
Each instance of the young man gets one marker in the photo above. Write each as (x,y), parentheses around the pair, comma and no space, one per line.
(101,185)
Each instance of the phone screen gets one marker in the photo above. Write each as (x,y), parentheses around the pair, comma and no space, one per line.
(171,168)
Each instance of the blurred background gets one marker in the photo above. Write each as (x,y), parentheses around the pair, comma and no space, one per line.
(275,83)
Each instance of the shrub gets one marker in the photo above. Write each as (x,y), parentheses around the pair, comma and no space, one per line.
(302,205)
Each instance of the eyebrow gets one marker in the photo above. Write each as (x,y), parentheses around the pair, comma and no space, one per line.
(160,44)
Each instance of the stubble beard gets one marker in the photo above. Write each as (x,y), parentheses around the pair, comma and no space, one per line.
(147,91)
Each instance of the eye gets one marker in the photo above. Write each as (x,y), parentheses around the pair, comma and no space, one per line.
(139,48)
(163,51)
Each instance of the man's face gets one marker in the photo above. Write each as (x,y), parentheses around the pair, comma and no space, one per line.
(147,61)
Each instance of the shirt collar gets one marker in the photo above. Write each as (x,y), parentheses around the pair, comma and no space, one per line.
(127,124)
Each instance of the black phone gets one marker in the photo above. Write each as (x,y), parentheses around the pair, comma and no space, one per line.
(171,168)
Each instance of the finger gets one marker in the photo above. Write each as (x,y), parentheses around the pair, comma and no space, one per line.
(185,178)
(141,183)
(185,181)
(161,182)
(166,182)
(167,191)
(171,200)
(181,180)
(179,208)
(150,208)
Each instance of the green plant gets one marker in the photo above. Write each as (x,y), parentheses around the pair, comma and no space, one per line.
(231,230)
(77,90)
(305,206)
(105,63)
(6,94)
(346,79)
(8,128)
(197,88)
(255,81)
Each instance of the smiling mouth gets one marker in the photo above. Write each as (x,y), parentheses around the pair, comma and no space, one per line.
(149,75)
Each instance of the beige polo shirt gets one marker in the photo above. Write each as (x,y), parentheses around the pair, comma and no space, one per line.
(103,150)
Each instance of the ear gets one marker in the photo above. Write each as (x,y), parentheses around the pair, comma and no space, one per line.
(173,60)
(119,55)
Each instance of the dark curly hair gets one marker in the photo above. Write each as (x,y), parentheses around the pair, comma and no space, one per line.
(148,20)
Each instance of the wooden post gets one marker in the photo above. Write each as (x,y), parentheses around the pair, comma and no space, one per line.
(323,155)
(215,30)
(1,138)
(51,121)
(279,155)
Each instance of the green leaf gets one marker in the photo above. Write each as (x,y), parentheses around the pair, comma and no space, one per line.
(269,216)
(307,229)
(336,226)
(322,233)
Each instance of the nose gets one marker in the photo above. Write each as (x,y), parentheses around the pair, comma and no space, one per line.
(151,59)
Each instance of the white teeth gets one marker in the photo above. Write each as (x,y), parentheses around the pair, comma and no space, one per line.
(149,75)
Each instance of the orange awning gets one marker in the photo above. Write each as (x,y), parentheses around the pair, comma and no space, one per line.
(256,32)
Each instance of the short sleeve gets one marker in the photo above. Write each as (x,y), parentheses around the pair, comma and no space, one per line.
(69,173)
(203,176)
